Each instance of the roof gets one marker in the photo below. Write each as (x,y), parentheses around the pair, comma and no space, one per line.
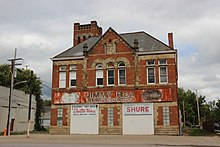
(147,43)
(78,50)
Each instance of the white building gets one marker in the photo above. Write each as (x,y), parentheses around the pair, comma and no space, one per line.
(19,110)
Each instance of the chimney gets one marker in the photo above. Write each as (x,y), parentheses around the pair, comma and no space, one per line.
(170,40)
(136,45)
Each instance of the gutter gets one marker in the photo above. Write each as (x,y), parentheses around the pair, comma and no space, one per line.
(156,52)
(67,58)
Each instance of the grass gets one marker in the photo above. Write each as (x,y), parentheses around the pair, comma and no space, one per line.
(200,132)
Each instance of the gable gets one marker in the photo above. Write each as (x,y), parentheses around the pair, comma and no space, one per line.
(110,43)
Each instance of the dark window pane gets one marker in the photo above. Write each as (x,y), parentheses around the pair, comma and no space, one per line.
(110,81)
(150,62)
(151,80)
(110,73)
(163,78)
(163,70)
(150,71)
(99,81)
(162,61)
(122,80)
(122,72)
(73,82)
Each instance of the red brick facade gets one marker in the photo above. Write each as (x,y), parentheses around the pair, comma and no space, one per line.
(112,48)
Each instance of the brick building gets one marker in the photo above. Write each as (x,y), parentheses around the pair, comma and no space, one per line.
(115,84)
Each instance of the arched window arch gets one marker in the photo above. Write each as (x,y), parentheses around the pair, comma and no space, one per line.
(121,73)
(78,39)
(99,74)
(84,38)
(110,74)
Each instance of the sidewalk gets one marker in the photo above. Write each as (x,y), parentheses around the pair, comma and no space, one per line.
(116,139)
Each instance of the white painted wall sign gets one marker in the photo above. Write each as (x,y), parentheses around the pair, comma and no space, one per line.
(138,109)
(138,118)
(84,119)
(84,109)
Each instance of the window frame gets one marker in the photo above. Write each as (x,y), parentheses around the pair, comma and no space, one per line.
(72,73)
(163,65)
(99,69)
(166,116)
(151,66)
(110,68)
(110,117)
(62,76)
(121,68)
(60,117)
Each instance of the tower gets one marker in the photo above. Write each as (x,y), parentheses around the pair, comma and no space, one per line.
(85,31)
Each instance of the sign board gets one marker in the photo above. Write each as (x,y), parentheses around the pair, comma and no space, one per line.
(84,109)
(112,96)
(138,109)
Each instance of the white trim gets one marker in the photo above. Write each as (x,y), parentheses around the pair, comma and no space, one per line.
(119,76)
(97,75)
(114,76)
(166,73)
(156,52)
(154,74)
(73,77)
(62,81)
(67,58)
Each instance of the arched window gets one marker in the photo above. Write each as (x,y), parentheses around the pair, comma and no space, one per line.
(99,75)
(84,38)
(78,40)
(110,74)
(121,74)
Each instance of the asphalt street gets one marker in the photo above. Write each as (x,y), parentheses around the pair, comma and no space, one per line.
(47,140)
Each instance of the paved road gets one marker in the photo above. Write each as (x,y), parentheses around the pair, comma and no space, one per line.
(42,140)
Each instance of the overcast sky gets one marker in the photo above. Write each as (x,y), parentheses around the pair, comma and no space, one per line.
(40,29)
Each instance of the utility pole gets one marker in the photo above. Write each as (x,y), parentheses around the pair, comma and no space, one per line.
(11,89)
(197,102)
(29,110)
(184,114)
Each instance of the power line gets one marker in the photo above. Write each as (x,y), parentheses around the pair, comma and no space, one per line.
(46,82)
(47,86)
(20,97)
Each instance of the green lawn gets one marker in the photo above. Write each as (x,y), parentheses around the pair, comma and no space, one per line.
(200,132)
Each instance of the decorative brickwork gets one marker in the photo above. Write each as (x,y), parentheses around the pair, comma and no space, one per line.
(65,128)
(53,119)
(103,119)
(173,128)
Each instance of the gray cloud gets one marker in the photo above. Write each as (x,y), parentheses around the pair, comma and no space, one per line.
(41,29)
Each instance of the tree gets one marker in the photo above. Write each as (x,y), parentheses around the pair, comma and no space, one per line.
(47,102)
(209,111)
(217,111)
(5,75)
(24,75)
